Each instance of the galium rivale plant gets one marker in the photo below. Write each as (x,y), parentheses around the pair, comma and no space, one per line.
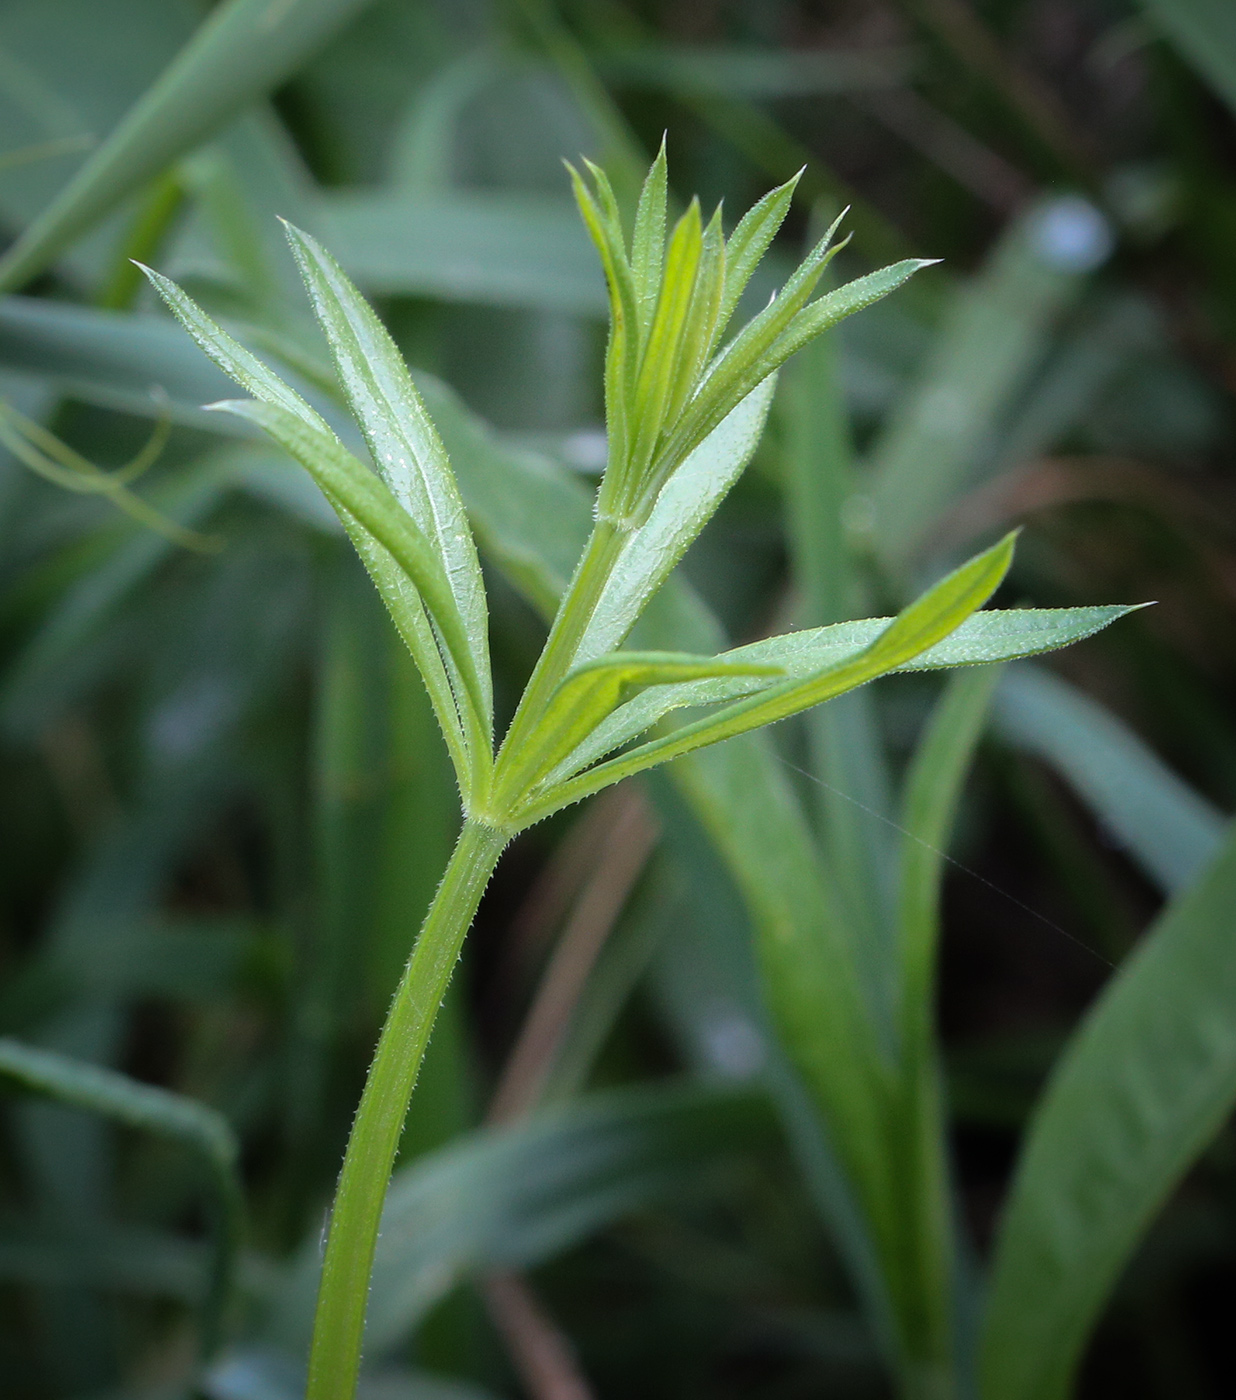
(685,404)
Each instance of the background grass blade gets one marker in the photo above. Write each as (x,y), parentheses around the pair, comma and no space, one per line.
(1138,1094)
(996,332)
(152,1110)
(241,52)
(1205,33)
(1168,829)
(514,1196)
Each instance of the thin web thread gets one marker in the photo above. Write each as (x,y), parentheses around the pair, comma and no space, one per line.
(956,864)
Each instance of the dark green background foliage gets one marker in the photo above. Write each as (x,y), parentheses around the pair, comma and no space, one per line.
(226,804)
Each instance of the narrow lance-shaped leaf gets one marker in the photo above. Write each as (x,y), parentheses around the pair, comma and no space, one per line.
(648,243)
(986,637)
(621,353)
(749,242)
(589,693)
(1140,1090)
(363,502)
(733,375)
(926,621)
(660,361)
(405,445)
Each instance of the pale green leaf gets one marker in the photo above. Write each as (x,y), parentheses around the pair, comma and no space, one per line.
(402,440)
(752,238)
(774,335)
(996,635)
(648,241)
(408,574)
(590,692)
(686,503)
(925,622)
(492,247)
(403,564)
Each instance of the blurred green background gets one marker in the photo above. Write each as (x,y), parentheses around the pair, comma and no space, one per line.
(225,803)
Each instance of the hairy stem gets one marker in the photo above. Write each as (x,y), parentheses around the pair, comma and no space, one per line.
(574,613)
(340,1321)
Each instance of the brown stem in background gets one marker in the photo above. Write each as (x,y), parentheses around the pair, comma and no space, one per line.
(631,835)
(615,838)
(541,1353)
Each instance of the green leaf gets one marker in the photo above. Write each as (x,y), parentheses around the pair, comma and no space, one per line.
(1170,830)
(1140,1090)
(243,50)
(153,1110)
(28,693)
(510,1198)
(661,357)
(1204,31)
(773,336)
(925,1265)
(852,798)
(746,246)
(932,793)
(831,652)
(648,242)
(402,440)
(686,503)
(492,247)
(110,359)
(403,564)
(622,351)
(589,693)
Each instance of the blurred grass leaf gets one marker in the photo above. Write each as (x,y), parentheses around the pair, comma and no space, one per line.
(515,1196)
(1138,1093)
(243,50)
(995,333)
(153,1110)
(1205,33)
(1169,829)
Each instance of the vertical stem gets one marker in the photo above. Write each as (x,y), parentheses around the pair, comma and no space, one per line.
(574,614)
(340,1321)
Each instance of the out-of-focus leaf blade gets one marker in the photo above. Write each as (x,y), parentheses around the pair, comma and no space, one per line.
(243,50)
(510,1198)
(1139,1091)
(494,248)
(757,73)
(1168,829)
(994,335)
(1205,33)
(151,1109)
(110,359)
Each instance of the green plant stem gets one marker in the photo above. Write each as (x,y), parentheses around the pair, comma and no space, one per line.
(574,613)
(339,1323)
